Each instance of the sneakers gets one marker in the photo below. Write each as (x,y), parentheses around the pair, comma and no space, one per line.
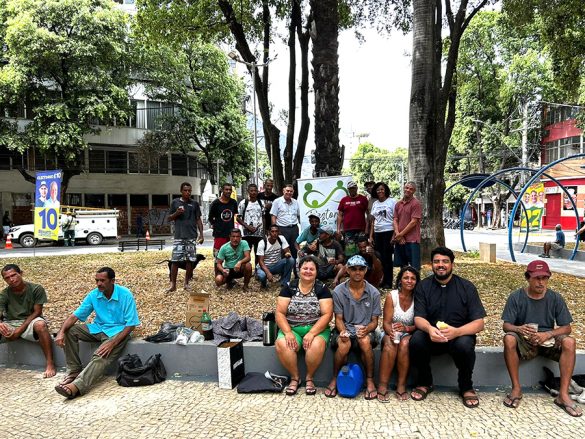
(542,255)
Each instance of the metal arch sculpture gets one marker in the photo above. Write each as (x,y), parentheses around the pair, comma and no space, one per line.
(536,175)
(482,184)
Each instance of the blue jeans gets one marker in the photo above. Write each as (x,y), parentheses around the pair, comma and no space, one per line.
(405,254)
(283,267)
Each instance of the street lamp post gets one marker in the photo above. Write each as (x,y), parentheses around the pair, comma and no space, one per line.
(233,55)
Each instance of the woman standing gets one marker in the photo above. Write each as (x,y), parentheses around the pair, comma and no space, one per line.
(382,229)
(398,324)
(303,312)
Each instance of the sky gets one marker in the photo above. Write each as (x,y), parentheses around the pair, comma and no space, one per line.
(374,94)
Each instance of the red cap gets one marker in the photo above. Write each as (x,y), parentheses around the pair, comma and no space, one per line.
(538,268)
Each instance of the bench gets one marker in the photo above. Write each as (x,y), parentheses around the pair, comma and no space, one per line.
(136,244)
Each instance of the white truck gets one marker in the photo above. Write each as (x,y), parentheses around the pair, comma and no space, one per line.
(92,225)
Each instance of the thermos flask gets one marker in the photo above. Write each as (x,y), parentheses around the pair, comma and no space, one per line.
(269,329)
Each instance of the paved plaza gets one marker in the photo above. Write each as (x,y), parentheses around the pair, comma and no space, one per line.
(188,409)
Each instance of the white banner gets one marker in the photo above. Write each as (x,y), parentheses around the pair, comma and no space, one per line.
(321,196)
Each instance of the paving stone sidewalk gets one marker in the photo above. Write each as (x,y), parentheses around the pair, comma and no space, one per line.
(188,409)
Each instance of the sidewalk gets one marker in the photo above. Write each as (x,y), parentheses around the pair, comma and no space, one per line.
(186,409)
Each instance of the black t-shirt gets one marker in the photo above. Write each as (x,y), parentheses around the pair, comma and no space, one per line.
(267,218)
(221,217)
(186,223)
(456,303)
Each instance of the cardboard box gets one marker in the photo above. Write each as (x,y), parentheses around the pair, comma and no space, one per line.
(196,303)
(230,364)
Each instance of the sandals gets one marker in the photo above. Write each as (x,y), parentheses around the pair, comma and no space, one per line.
(291,391)
(573,407)
(401,396)
(65,391)
(370,394)
(69,378)
(331,392)
(310,389)
(421,392)
(470,399)
(383,397)
(512,402)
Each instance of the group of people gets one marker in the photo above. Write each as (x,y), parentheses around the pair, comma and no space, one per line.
(421,318)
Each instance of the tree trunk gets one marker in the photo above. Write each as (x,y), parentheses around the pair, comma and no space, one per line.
(432,108)
(326,86)
(295,18)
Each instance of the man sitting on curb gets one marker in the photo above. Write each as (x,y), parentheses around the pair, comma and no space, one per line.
(236,255)
(529,319)
(271,261)
(21,311)
(558,244)
(356,305)
(115,318)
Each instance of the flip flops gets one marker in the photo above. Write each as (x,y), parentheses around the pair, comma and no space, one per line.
(511,402)
(370,394)
(401,396)
(331,392)
(573,407)
(310,389)
(383,397)
(421,392)
(65,391)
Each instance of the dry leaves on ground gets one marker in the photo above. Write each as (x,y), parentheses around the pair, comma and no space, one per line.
(67,280)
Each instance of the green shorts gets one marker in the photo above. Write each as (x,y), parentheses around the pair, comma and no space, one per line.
(527,351)
(300,331)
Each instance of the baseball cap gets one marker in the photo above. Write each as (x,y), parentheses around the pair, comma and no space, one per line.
(327,229)
(538,268)
(356,261)
(351,184)
(43,183)
(312,215)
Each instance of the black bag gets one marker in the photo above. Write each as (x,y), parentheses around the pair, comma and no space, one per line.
(256,382)
(131,371)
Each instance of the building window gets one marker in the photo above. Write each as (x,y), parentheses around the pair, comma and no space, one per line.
(160,200)
(97,161)
(95,200)
(116,162)
(136,164)
(72,199)
(117,200)
(137,200)
(179,163)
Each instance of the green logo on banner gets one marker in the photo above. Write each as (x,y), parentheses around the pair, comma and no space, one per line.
(318,198)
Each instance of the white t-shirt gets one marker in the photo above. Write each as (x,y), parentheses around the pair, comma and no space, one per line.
(273,253)
(252,217)
(383,213)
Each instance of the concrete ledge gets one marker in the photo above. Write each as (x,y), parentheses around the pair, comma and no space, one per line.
(562,253)
(200,362)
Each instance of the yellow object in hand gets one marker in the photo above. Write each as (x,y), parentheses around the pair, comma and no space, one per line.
(442,325)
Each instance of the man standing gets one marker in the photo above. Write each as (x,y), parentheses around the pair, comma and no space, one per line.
(274,257)
(407,217)
(250,216)
(310,237)
(558,243)
(115,318)
(285,214)
(222,213)
(448,314)
(267,197)
(68,224)
(330,255)
(538,322)
(21,314)
(186,214)
(356,305)
(352,218)
(236,255)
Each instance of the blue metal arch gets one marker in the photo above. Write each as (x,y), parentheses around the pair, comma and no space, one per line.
(538,173)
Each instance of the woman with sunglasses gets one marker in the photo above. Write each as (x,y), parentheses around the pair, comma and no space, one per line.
(398,325)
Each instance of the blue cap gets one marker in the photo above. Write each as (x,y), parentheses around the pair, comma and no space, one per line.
(356,261)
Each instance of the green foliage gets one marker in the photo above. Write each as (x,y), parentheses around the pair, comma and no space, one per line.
(371,163)
(208,118)
(68,60)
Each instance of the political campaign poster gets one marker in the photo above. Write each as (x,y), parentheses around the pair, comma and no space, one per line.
(534,199)
(47,204)
(321,196)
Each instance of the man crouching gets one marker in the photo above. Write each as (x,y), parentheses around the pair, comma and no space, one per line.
(115,318)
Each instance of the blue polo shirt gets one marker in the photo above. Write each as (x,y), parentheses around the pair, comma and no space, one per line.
(111,316)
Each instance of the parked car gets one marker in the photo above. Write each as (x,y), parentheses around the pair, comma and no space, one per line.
(93,226)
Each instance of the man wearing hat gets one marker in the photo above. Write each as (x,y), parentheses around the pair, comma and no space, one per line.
(352,218)
(356,305)
(538,322)
(43,190)
(330,254)
(310,238)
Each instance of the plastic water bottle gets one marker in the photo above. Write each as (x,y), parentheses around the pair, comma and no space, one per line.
(350,380)
(206,326)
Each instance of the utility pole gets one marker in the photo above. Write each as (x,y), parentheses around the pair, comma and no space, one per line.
(524,140)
